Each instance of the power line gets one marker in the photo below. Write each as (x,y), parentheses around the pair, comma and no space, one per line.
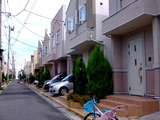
(9,11)
(38,14)
(33,5)
(18,41)
(23,42)
(29,29)
(22,9)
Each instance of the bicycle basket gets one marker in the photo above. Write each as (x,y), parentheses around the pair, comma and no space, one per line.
(88,106)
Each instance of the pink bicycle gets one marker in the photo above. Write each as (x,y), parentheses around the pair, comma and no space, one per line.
(96,114)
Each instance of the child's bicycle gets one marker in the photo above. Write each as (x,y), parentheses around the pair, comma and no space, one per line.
(96,114)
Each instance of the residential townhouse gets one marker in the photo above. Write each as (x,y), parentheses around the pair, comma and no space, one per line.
(28,68)
(51,49)
(57,55)
(84,30)
(134,27)
(34,63)
(74,33)
(39,58)
(45,52)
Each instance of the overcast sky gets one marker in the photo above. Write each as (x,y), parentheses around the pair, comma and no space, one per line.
(29,27)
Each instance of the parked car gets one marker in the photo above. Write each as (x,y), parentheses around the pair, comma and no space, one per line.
(36,82)
(55,79)
(63,86)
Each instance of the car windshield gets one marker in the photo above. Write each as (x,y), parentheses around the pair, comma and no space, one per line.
(66,78)
(56,78)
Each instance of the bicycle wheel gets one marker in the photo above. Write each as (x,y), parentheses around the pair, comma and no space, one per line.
(92,116)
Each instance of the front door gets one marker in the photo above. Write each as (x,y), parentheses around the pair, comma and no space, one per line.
(135,63)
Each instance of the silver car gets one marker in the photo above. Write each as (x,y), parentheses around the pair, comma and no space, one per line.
(63,86)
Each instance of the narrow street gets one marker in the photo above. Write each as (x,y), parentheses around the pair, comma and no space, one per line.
(19,102)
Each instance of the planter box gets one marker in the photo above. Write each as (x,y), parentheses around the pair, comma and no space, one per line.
(74,105)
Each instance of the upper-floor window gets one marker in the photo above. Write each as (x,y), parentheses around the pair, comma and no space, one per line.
(45,51)
(70,24)
(58,37)
(82,14)
(53,41)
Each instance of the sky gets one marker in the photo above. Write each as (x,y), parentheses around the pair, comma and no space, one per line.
(30,19)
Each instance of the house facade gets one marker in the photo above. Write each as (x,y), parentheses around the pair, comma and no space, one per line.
(134,27)
(57,55)
(50,52)
(38,64)
(84,30)
(34,63)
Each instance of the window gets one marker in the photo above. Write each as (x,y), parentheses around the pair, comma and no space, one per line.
(82,14)
(70,24)
(58,37)
(53,41)
(45,50)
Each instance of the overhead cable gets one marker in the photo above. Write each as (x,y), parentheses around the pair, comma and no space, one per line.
(22,9)
(28,28)
(38,15)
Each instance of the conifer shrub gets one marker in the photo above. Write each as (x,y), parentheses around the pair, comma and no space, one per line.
(80,75)
(47,74)
(99,74)
(43,75)
(31,78)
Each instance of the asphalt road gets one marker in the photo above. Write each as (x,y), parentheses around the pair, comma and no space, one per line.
(18,102)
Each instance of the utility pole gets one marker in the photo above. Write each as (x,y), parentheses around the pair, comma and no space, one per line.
(1,50)
(0,43)
(13,67)
(9,39)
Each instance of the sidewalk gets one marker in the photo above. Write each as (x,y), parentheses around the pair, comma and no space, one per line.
(82,113)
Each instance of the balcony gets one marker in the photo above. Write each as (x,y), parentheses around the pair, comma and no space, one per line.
(136,15)
(83,40)
(51,57)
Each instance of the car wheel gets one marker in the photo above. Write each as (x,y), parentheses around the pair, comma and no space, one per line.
(63,90)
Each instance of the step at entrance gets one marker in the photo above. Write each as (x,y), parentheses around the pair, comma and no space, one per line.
(135,105)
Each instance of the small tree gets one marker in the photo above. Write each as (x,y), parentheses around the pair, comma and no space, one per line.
(99,74)
(3,77)
(80,74)
(23,76)
(31,78)
(47,74)
(41,77)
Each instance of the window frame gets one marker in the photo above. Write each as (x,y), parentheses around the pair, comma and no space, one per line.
(82,14)
(70,24)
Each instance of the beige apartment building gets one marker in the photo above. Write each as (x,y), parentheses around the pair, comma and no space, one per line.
(74,32)
(51,50)
(34,63)
(39,58)
(84,29)
(134,27)
(57,55)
